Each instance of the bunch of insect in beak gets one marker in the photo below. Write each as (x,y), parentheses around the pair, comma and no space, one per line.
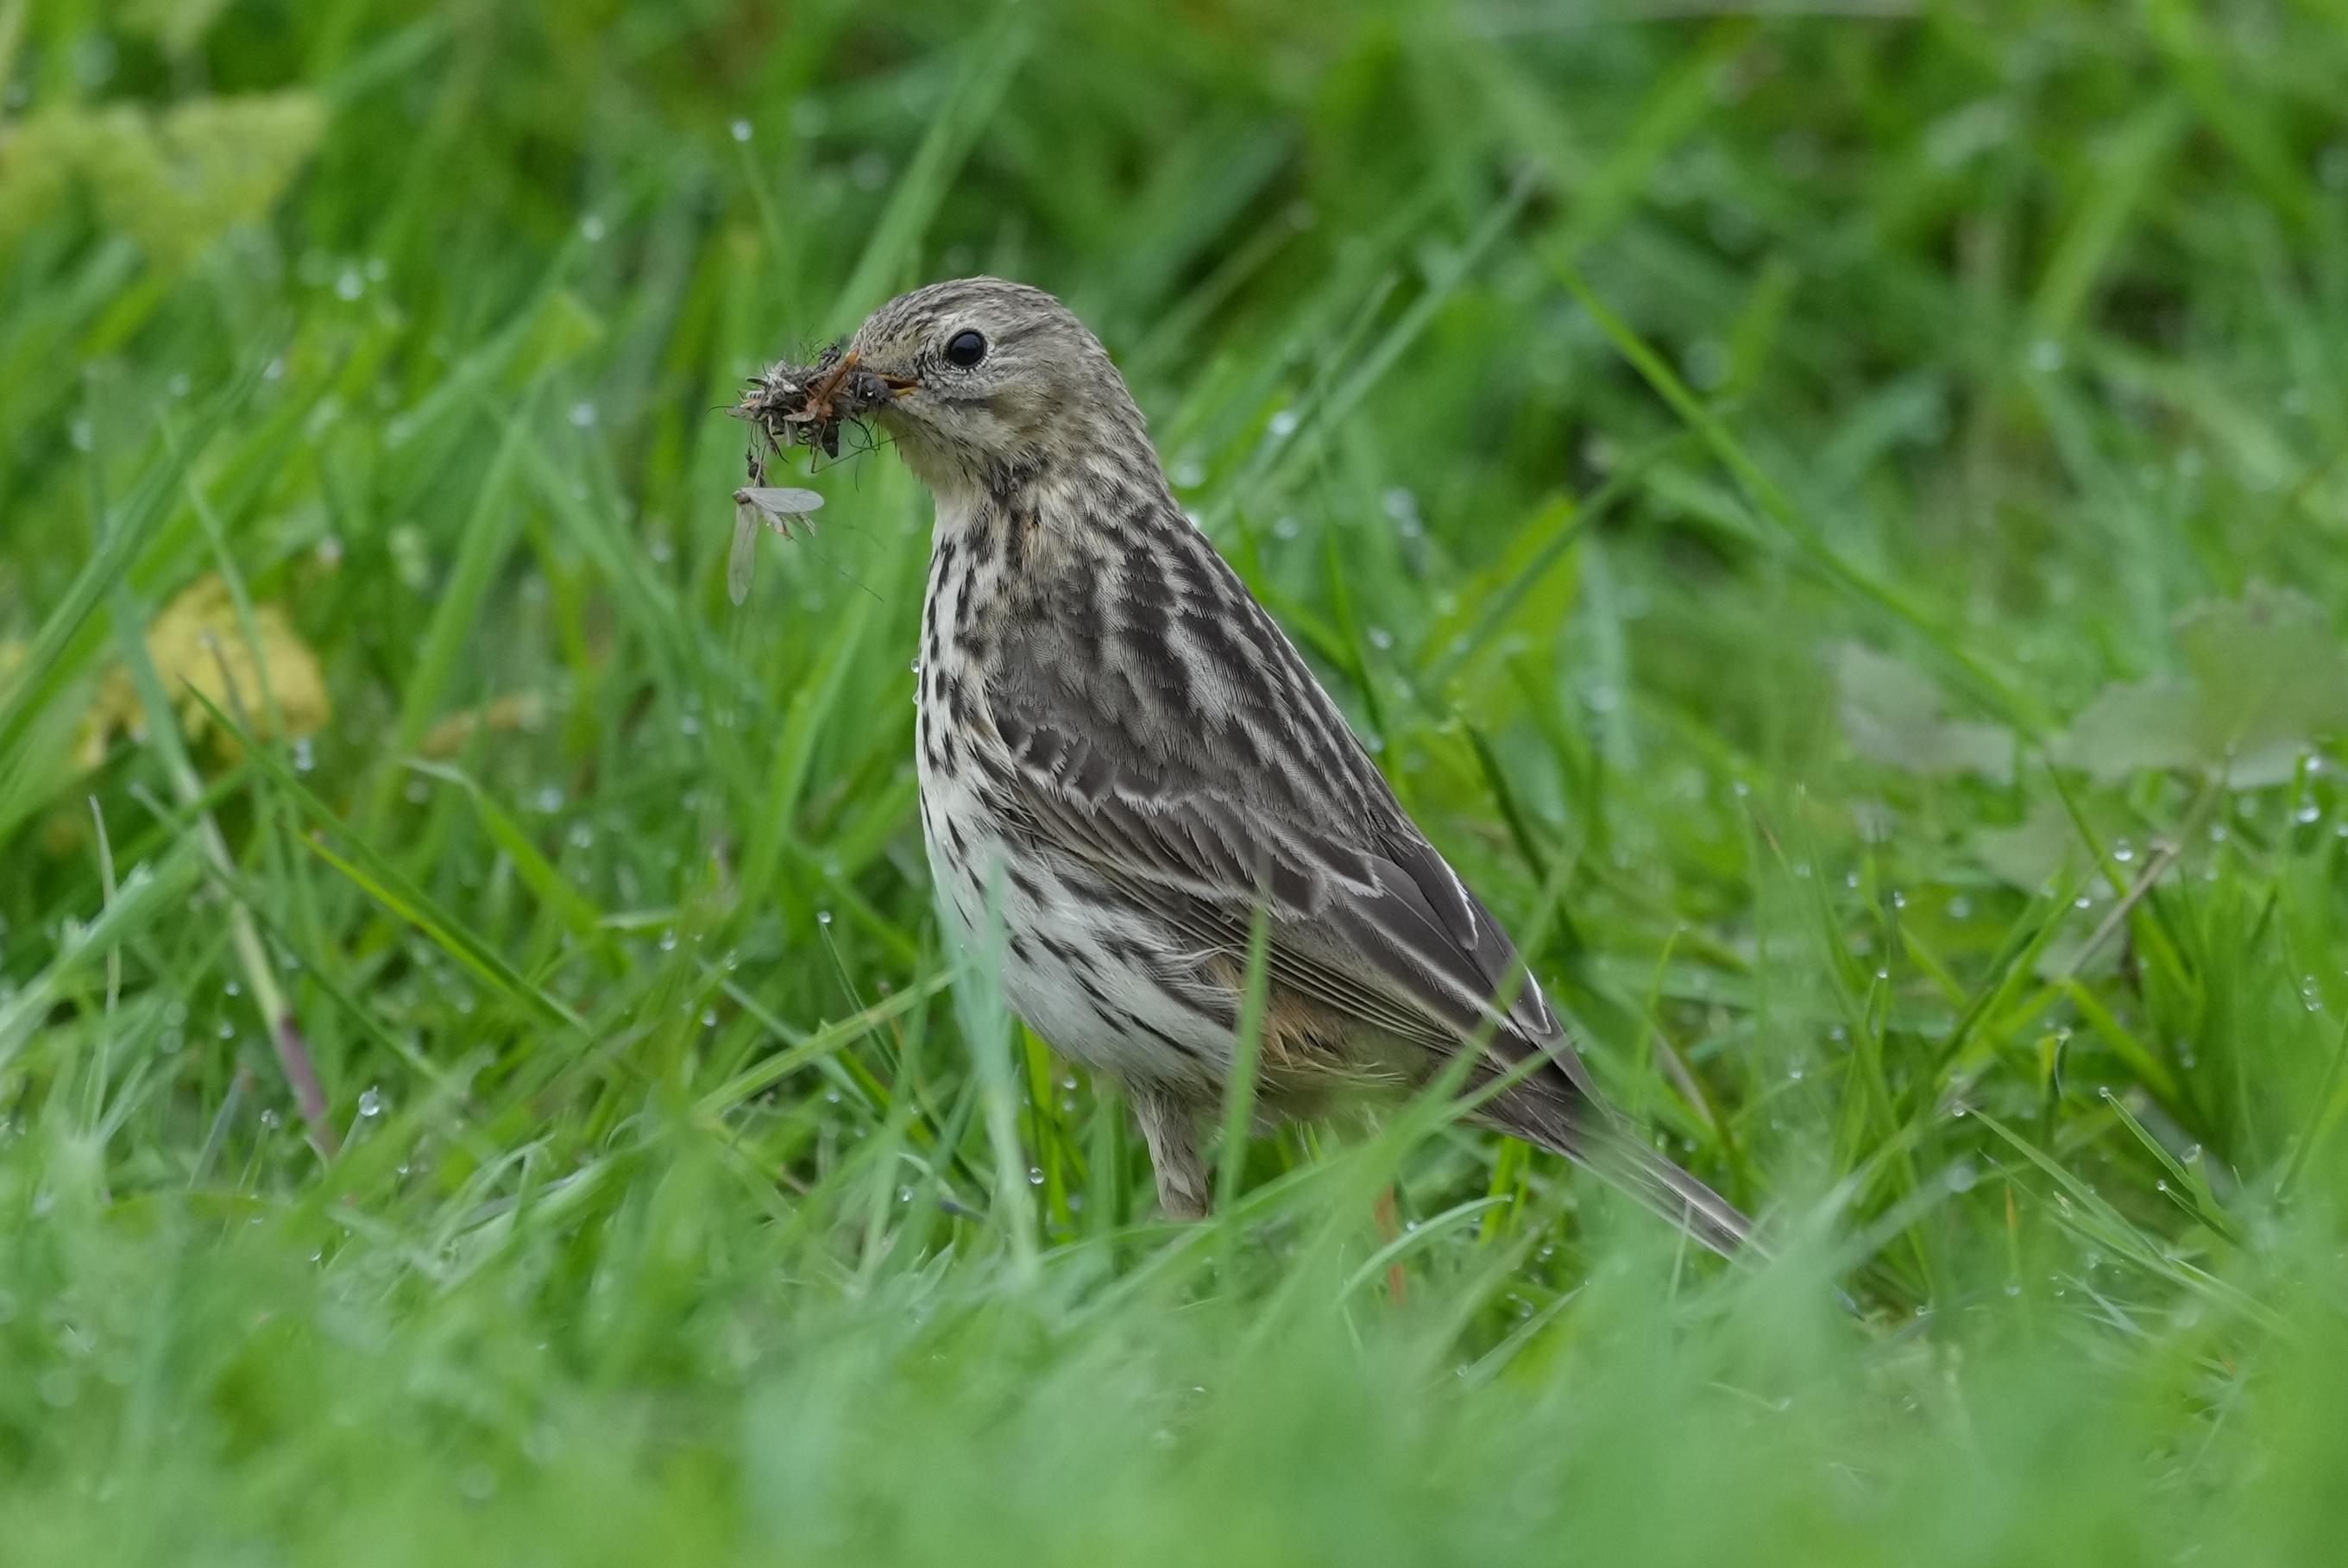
(794,406)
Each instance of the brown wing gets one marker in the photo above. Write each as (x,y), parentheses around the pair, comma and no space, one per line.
(1377,927)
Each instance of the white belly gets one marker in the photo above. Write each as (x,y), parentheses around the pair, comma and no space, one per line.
(1078,971)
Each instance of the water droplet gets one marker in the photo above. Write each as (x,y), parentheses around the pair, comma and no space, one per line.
(741,128)
(1961,1177)
(2123,851)
(305,756)
(1283,424)
(668,939)
(1035,1176)
(371,1102)
(823,917)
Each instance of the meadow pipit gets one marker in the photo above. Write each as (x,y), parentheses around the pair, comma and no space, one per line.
(1121,750)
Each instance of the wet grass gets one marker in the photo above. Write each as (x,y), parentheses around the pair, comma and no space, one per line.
(1830,521)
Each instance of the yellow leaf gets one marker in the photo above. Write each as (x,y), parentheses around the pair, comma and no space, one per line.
(173,183)
(198,643)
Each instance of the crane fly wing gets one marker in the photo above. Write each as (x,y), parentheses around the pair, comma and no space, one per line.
(743,561)
(781,505)
(753,504)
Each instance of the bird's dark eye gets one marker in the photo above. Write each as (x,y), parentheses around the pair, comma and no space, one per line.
(966,349)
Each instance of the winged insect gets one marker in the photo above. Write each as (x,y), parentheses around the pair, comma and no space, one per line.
(775,507)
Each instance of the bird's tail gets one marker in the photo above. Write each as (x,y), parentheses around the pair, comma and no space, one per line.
(1617,1154)
(1569,1119)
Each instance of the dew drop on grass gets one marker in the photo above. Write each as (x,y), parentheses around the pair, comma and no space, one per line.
(371,1102)
(823,917)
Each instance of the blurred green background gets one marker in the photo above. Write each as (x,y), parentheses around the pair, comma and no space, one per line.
(1830,515)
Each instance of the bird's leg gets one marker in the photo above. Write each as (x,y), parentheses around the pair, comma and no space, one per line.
(1170,1129)
(1390,1227)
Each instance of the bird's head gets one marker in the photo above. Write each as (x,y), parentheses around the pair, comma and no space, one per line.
(988,376)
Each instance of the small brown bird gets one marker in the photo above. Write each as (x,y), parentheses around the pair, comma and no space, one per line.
(1118,741)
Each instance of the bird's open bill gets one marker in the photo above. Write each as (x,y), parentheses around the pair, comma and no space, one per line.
(752,506)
